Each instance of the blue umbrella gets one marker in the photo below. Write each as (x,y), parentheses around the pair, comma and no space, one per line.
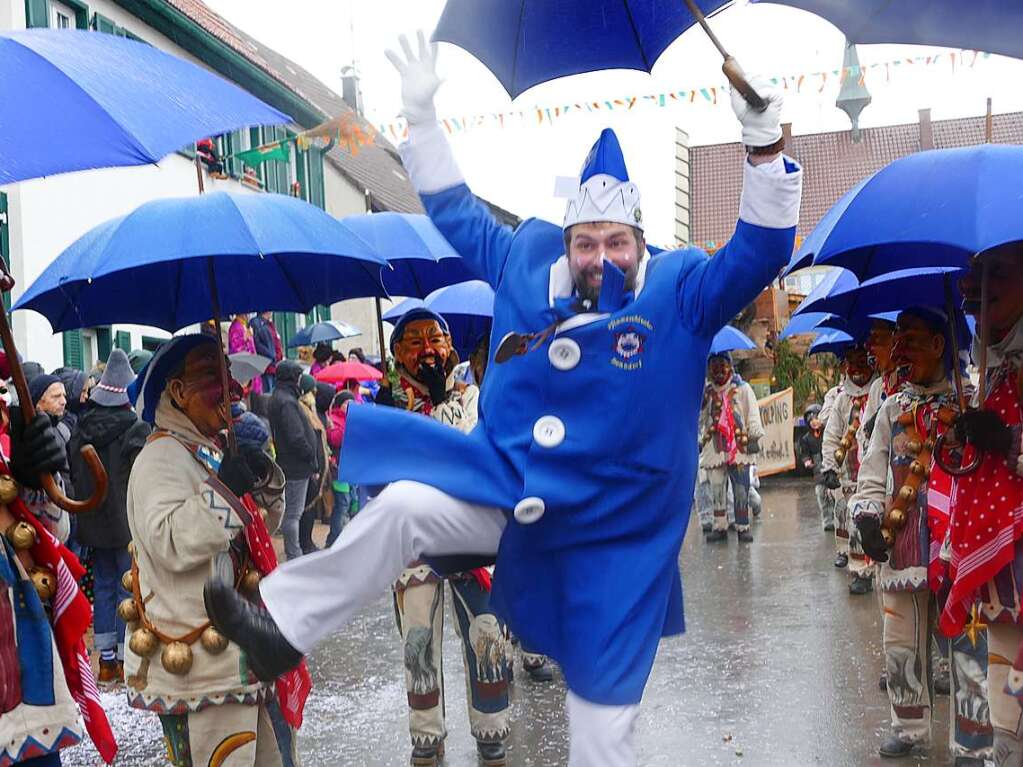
(421,259)
(74,100)
(935,208)
(803,323)
(474,298)
(323,332)
(154,266)
(857,325)
(527,42)
(924,286)
(983,25)
(835,281)
(834,342)
(803,257)
(729,339)
(396,312)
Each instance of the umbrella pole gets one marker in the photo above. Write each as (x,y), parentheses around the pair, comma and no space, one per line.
(733,72)
(957,374)
(983,331)
(380,330)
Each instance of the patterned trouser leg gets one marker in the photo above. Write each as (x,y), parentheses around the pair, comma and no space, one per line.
(718,480)
(231,735)
(1004,643)
(419,609)
(738,477)
(908,617)
(857,559)
(841,522)
(485,657)
(970,732)
(722,480)
(826,504)
(704,501)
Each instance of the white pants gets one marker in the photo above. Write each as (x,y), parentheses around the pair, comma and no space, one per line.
(316,595)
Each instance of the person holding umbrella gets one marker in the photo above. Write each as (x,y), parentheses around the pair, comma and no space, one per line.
(587,319)
(268,344)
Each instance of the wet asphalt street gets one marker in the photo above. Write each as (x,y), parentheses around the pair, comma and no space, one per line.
(779,667)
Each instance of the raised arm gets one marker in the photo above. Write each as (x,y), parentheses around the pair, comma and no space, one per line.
(463,220)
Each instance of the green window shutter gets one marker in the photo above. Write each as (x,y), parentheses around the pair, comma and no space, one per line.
(322,313)
(122,340)
(81,13)
(151,344)
(235,167)
(102,24)
(73,357)
(302,173)
(310,317)
(37,13)
(316,193)
(104,344)
(286,324)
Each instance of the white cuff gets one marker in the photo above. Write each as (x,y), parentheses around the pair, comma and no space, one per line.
(770,193)
(428,159)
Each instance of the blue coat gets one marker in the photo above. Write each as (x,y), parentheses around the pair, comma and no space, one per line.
(594,583)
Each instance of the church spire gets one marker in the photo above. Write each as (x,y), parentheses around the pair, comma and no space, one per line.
(854,95)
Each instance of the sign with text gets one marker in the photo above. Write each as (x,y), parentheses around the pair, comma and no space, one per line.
(776,451)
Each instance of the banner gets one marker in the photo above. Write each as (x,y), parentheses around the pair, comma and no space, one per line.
(776,450)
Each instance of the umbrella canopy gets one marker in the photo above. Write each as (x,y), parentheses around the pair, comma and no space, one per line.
(340,372)
(110,101)
(474,298)
(924,286)
(935,208)
(245,366)
(834,342)
(528,42)
(835,281)
(323,332)
(152,267)
(803,257)
(397,311)
(807,322)
(421,259)
(729,339)
(984,25)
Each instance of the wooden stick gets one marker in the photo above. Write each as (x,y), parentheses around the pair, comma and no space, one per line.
(957,374)
(984,331)
(733,72)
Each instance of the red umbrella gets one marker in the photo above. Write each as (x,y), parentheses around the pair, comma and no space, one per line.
(340,372)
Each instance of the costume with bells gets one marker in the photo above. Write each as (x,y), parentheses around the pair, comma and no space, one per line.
(427,386)
(731,431)
(567,503)
(185,519)
(901,511)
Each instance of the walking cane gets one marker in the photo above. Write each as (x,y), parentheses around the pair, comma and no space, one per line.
(28,413)
(733,72)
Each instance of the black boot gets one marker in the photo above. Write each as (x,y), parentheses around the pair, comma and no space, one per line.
(969,761)
(250,627)
(717,536)
(882,682)
(491,754)
(860,585)
(707,527)
(427,756)
(894,747)
(942,683)
(745,536)
(541,672)
(841,560)
(305,531)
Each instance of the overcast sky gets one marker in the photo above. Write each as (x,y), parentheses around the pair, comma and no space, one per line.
(515,167)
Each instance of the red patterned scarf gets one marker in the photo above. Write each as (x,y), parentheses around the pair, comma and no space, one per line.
(72,616)
(986,516)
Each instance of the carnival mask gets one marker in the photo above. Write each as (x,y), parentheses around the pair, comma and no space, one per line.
(198,393)
(858,367)
(918,351)
(423,342)
(1005,287)
(720,371)
(879,346)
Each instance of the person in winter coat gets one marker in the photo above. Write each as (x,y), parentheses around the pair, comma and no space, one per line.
(240,339)
(317,483)
(810,457)
(296,446)
(344,493)
(112,428)
(268,344)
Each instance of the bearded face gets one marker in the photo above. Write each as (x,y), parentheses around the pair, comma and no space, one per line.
(589,244)
(858,368)
(198,393)
(918,351)
(423,342)
(720,371)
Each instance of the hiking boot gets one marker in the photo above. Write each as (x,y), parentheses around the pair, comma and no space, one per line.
(541,672)
(969,761)
(841,560)
(894,747)
(707,527)
(491,754)
(882,683)
(111,673)
(829,528)
(745,536)
(942,683)
(860,585)
(427,756)
(717,536)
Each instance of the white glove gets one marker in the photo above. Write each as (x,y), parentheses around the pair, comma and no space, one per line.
(759,129)
(419,80)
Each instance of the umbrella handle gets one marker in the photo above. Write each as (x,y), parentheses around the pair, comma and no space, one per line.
(731,69)
(28,412)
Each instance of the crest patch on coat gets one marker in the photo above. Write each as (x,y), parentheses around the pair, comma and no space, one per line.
(629,337)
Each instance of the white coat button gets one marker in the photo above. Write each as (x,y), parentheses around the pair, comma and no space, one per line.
(564,353)
(549,431)
(529,510)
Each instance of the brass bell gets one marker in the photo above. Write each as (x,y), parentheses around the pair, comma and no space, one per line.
(896,519)
(913,446)
(918,468)
(21,535)
(126,580)
(250,581)
(888,536)
(929,445)
(213,641)
(177,658)
(127,611)
(44,581)
(845,442)
(132,549)
(839,455)
(907,494)
(8,488)
(143,642)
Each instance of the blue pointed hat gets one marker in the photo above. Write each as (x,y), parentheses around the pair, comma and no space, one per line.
(603,191)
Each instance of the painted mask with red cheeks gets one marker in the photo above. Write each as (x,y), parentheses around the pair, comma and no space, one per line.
(879,345)
(423,342)
(857,366)
(918,351)
(720,370)
(198,393)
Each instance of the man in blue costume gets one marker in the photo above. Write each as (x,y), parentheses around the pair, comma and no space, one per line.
(584,317)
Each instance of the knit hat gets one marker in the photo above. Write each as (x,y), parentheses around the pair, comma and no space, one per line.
(112,389)
(726,356)
(37,386)
(146,390)
(413,315)
(288,371)
(31,370)
(139,358)
(306,384)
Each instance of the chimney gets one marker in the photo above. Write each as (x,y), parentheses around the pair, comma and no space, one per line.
(350,90)
(926,131)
